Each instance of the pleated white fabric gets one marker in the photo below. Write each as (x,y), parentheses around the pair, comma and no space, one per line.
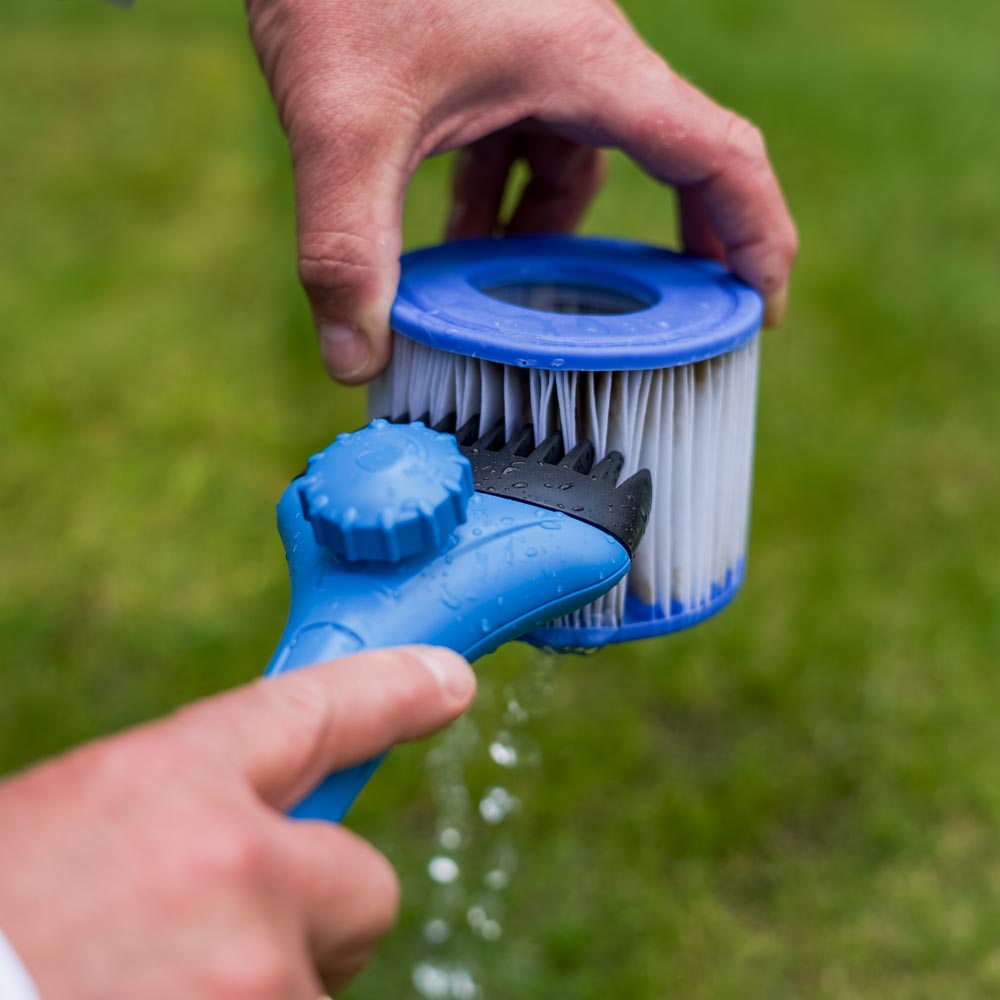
(692,426)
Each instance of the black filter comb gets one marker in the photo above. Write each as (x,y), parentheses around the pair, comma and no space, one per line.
(546,475)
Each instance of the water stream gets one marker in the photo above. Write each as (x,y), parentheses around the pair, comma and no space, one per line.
(476,769)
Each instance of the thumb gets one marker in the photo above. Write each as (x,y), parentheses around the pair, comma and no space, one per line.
(285,734)
(349,201)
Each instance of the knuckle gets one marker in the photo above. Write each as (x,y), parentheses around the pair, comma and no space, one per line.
(328,114)
(529,37)
(600,37)
(790,243)
(778,256)
(258,969)
(109,764)
(116,766)
(338,261)
(308,707)
(232,855)
(742,140)
(318,124)
(382,904)
(375,896)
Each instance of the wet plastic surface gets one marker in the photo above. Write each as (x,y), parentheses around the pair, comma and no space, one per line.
(459,297)
(508,569)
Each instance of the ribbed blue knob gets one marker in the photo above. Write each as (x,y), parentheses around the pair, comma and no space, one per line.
(386,492)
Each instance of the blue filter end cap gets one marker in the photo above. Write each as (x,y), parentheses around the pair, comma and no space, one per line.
(574,303)
(386,492)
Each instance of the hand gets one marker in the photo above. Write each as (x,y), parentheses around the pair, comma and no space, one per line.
(158,864)
(366,90)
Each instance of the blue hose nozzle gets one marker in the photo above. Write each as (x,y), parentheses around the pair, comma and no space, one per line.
(388,543)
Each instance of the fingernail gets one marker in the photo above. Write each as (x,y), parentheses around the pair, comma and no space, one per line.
(775,307)
(345,349)
(452,671)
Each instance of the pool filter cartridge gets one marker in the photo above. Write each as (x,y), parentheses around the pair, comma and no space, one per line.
(634,348)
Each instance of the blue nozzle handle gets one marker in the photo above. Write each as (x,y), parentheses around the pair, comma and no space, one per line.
(508,569)
(331,799)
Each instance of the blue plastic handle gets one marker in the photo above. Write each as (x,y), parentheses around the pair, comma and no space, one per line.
(510,568)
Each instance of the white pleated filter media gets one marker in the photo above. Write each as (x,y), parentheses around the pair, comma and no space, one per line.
(692,426)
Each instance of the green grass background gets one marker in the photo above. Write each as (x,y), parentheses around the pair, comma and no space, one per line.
(799,799)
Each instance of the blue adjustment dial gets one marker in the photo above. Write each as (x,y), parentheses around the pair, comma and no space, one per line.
(387,492)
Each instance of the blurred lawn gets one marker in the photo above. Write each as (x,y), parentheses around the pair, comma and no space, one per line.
(801,798)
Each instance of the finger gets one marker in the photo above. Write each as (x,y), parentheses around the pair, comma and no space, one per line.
(479,178)
(683,138)
(565,176)
(287,733)
(348,894)
(697,235)
(349,191)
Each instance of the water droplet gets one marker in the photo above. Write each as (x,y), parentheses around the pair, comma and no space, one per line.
(450,838)
(516,712)
(496,805)
(503,753)
(437,931)
(497,879)
(464,902)
(485,625)
(484,925)
(490,930)
(449,599)
(443,870)
(463,986)
(431,981)
(531,552)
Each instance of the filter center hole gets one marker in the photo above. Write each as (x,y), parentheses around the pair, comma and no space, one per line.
(574,298)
